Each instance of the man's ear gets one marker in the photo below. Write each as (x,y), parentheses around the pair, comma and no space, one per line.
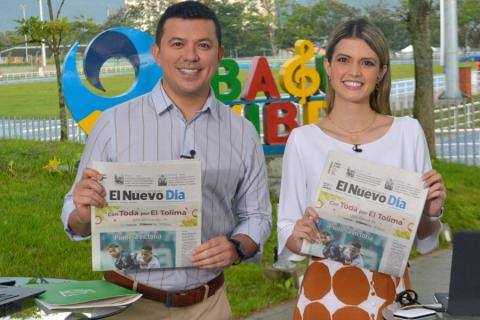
(155,49)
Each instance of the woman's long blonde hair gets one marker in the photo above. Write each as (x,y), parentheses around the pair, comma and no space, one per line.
(373,36)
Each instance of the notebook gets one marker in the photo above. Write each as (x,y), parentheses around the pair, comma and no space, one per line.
(9,294)
(463,298)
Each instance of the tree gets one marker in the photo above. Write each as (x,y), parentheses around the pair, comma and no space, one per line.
(418,28)
(144,14)
(469,23)
(391,24)
(256,39)
(314,23)
(83,30)
(120,18)
(52,33)
(231,18)
(10,39)
(271,22)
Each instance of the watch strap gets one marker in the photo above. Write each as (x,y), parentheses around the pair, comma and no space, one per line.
(238,247)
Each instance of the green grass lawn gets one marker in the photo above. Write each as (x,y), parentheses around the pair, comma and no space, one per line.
(34,245)
(39,99)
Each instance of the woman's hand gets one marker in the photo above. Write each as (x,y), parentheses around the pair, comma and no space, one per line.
(305,229)
(436,193)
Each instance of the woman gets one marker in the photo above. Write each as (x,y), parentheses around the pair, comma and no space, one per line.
(359,122)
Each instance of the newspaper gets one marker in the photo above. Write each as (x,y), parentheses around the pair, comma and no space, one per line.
(153,218)
(369,213)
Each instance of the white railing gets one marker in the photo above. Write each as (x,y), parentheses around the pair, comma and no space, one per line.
(51,74)
(39,129)
(457,133)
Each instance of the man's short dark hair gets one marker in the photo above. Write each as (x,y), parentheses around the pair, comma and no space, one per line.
(188,10)
(147,247)
(357,245)
(326,233)
(113,245)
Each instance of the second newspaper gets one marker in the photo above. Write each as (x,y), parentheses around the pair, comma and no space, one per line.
(153,218)
(369,213)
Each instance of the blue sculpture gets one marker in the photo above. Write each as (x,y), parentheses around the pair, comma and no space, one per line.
(134,45)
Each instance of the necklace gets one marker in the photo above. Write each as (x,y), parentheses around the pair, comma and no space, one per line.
(355,131)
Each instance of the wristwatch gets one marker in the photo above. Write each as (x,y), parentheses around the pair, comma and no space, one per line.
(240,250)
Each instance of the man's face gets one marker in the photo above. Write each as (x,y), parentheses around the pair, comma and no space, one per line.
(146,255)
(354,251)
(113,251)
(324,238)
(189,55)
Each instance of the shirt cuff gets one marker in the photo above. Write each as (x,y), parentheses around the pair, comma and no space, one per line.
(257,229)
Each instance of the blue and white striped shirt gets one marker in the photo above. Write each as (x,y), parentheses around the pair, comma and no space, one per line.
(235,195)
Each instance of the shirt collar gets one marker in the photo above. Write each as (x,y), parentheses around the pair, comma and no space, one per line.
(163,103)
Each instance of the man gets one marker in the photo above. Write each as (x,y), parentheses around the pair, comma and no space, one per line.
(146,259)
(332,250)
(181,117)
(123,260)
(353,257)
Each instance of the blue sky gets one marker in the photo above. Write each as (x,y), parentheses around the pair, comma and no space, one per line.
(10,10)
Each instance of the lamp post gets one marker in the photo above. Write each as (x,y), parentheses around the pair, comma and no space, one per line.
(452,89)
(26,41)
(44,58)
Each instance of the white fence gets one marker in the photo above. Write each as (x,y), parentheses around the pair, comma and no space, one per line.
(457,133)
(51,74)
(39,129)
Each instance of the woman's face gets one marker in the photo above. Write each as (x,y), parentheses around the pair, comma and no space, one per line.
(354,71)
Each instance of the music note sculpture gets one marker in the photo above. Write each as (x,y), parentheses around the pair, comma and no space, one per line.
(295,77)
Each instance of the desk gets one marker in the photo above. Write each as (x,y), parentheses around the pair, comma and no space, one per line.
(28,309)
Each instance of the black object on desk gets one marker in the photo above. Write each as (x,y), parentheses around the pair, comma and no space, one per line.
(463,298)
(10,294)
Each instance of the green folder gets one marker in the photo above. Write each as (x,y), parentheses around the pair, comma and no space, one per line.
(65,294)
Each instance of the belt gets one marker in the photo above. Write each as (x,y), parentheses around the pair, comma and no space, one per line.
(169,298)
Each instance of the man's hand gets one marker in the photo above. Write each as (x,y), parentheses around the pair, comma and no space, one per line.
(87,192)
(217,252)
